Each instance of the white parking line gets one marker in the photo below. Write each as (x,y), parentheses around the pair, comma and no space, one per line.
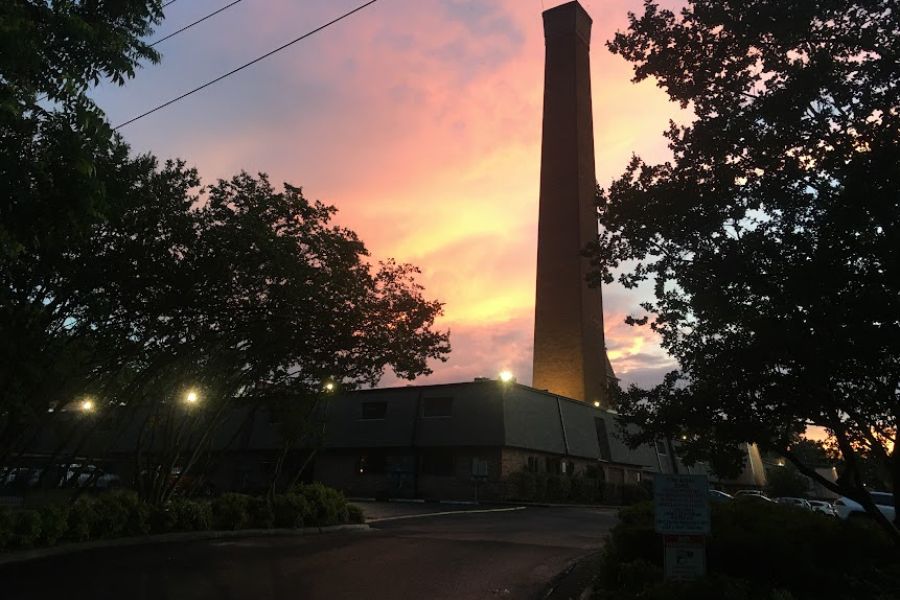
(448,512)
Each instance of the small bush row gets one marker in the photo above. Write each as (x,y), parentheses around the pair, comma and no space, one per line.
(545,487)
(120,514)
(757,551)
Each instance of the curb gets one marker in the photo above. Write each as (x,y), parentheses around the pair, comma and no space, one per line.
(576,581)
(163,538)
(609,507)
(445,513)
(560,505)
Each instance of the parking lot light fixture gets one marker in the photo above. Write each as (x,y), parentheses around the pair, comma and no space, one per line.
(192,397)
(506,376)
(87,405)
(329,386)
(596,404)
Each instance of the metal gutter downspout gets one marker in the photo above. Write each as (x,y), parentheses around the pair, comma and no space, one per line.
(562,424)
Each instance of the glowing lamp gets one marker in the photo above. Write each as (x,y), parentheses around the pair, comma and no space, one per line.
(506,376)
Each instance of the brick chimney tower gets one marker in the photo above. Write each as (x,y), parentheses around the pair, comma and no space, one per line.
(569,349)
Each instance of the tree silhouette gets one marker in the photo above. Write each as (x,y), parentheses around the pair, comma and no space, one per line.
(772,238)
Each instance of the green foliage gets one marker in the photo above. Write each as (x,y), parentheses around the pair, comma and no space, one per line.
(62,171)
(328,505)
(81,519)
(291,511)
(189,515)
(355,514)
(786,481)
(121,274)
(757,551)
(260,514)
(6,519)
(54,523)
(121,514)
(231,511)
(26,529)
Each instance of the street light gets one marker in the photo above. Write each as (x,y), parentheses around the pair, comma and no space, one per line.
(596,404)
(329,386)
(87,405)
(506,376)
(192,397)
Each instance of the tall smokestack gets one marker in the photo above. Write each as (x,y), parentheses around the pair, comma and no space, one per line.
(569,350)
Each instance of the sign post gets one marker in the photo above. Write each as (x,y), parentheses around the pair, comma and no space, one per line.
(681,508)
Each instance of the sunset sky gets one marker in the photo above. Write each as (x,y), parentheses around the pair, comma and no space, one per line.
(420,121)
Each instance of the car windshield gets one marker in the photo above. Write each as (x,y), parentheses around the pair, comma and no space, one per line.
(883,498)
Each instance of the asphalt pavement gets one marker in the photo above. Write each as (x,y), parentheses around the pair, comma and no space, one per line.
(460,553)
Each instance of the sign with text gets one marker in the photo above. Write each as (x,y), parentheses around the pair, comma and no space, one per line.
(681,504)
(685,558)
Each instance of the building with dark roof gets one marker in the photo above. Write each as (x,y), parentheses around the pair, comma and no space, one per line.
(443,441)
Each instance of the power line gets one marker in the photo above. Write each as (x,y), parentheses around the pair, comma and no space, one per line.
(198,21)
(43,97)
(245,65)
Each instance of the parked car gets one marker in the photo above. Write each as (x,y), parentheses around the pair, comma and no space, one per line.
(822,507)
(796,502)
(719,497)
(90,475)
(751,495)
(19,477)
(845,508)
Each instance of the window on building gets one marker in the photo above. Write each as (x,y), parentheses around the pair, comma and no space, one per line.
(437,407)
(437,463)
(602,437)
(554,465)
(373,410)
(372,462)
(661,447)
(532,466)
(568,468)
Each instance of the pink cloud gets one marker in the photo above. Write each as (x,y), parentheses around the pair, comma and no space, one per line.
(421,122)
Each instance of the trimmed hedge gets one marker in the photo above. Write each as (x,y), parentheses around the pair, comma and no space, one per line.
(543,487)
(757,551)
(120,513)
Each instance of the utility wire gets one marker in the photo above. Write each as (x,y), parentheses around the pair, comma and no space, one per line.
(198,21)
(245,65)
(43,97)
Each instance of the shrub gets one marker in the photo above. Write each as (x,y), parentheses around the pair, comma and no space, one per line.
(5,527)
(355,514)
(160,519)
(259,512)
(231,511)
(290,510)
(119,513)
(81,518)
(756,550)
(558,488)
(189,515)
(327,505)
(26,529)
(54,523)
(522,484)
(633,494)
